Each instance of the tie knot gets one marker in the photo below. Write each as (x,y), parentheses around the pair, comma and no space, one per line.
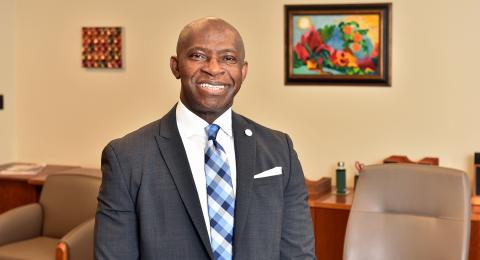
(212,131)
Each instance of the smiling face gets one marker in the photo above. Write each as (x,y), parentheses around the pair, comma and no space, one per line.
(210,65)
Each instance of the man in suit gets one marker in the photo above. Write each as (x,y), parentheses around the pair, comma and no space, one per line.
(204,182)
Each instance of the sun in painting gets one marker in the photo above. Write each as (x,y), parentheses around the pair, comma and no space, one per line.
(304,23)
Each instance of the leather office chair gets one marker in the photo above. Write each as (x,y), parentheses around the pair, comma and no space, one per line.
(408,211)
(63,218)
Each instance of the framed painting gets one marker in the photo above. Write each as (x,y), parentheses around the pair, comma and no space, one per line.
(341,44)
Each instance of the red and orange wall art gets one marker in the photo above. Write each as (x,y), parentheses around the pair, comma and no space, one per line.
(102,47)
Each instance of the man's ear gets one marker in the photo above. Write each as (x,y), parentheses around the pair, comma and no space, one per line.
(244,70)
(174,67)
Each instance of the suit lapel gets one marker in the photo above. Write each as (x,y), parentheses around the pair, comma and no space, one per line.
(245,148)
(173,152)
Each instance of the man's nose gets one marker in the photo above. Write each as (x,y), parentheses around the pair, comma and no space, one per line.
(213,67)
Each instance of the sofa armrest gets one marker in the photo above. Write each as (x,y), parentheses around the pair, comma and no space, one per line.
(21,223)
(78,243)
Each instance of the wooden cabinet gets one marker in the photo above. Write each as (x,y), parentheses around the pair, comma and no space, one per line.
(15,193)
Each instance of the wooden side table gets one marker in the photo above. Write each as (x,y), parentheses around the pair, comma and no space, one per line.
(474,253)
(330,215)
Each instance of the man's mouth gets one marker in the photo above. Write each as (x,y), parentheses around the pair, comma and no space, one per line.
(212,86)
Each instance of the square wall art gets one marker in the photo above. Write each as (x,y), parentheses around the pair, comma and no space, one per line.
(102,47)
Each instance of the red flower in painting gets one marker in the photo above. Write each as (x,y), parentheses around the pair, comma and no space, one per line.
(310,45)
(302,53)
(312,38)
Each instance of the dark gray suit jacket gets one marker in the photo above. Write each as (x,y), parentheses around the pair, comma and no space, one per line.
(148,207)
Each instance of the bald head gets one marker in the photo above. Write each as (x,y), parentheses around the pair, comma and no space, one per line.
(210,64)
(212,26)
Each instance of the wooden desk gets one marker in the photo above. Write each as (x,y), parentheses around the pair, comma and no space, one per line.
(40,179)
(475,234)
(15,190)
(330,215)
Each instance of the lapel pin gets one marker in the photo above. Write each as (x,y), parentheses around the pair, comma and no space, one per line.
(248,132)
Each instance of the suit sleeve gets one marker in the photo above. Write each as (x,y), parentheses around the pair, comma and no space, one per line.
(115,222)
(297,241)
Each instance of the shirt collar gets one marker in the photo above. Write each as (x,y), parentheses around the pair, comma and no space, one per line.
(194,125)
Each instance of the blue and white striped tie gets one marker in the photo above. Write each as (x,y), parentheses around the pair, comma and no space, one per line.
(221,199)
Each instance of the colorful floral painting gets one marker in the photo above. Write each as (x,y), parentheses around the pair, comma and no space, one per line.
(336,44)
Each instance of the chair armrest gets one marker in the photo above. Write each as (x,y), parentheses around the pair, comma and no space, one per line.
(21,223)
(78,243)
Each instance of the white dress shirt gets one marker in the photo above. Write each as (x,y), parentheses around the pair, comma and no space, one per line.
(194,138)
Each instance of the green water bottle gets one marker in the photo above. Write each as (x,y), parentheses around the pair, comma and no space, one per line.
(341,178)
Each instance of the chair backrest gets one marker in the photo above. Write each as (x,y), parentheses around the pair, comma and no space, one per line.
(67,201)
(408,211)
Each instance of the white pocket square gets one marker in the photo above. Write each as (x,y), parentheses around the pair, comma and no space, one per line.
(272,172)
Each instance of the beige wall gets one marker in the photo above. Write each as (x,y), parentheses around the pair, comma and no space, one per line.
(7,80)
(66,114)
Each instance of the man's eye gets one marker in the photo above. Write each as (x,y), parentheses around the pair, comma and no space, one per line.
(230,59)
(198,56)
